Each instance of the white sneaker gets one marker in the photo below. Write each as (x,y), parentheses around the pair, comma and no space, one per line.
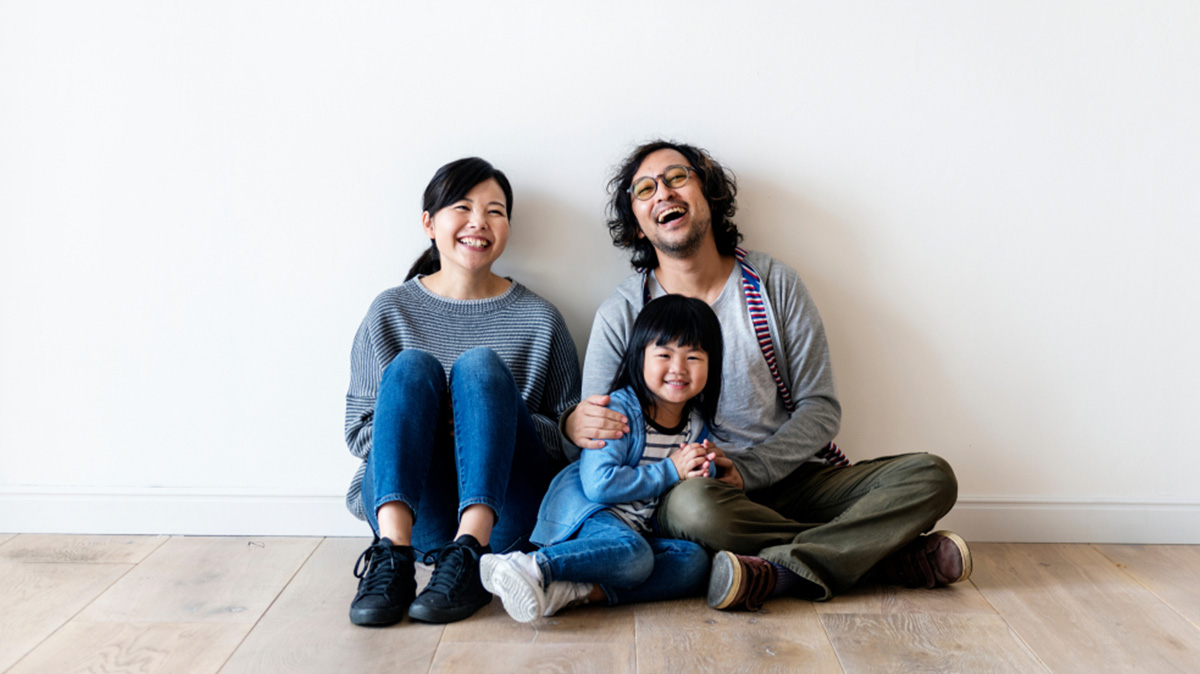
(517,580)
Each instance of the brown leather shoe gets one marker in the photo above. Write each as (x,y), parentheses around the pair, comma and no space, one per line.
(932,560)
(739,581)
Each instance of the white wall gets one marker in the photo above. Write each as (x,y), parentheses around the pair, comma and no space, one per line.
(994,206)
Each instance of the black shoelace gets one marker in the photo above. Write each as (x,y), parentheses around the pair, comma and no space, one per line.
(448,563)
(376,568)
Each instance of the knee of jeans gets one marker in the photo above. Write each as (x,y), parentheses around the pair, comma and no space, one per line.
(479,358)
(637,565)
(692,511)
(480,362)
(413,366)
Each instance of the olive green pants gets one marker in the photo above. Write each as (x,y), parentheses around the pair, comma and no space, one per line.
(830,525)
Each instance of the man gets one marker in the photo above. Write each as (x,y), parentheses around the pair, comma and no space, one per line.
(786,513)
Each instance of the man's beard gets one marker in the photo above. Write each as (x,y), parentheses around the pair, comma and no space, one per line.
(685,247)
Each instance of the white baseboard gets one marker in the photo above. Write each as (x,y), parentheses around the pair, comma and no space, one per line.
(1057,520)
(191,512)
(227,512)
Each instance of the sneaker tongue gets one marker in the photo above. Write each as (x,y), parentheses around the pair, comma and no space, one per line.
(468,539)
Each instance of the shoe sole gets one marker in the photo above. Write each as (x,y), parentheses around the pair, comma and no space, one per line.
(522,603)
(724,581)
(440,617)
(963,551)
(375,617)
(487,568)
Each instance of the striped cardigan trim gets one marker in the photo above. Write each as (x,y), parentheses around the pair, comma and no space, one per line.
(752,289)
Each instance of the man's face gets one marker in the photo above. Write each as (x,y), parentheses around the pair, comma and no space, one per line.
(674,220)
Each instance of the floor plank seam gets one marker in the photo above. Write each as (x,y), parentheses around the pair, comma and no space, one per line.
(829,638)
(1125,570)
(81,609)
(1013,631)
(262,615)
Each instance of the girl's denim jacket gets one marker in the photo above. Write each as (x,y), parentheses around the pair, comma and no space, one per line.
(607,476)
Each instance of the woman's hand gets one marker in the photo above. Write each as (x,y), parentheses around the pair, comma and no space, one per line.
(591,423)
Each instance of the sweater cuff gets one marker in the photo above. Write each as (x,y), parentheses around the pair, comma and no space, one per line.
(570,451)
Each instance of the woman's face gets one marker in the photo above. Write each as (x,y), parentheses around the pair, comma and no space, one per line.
(470,233)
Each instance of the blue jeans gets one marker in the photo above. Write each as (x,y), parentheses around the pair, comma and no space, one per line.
(628,566)
(493,457)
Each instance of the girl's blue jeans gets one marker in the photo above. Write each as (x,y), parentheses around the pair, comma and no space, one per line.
(493,457)
(628,566)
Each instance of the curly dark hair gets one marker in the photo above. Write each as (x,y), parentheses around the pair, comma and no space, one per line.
(717,183)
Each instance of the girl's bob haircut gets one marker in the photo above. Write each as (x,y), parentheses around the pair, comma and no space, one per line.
(674,319)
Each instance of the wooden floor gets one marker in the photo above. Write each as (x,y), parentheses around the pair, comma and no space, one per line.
(183,605)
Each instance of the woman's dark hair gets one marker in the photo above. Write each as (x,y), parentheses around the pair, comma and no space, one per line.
(717,183)
(450,184)
(667,320)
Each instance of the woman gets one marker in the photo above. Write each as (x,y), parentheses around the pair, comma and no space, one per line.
(457,378)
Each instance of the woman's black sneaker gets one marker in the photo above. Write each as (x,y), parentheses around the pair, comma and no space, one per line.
(454,591)
(386,586)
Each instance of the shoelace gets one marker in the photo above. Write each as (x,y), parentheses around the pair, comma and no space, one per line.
(372,567)
(448,562)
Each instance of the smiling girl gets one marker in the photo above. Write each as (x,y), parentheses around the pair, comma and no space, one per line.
(596,524)
(456,380)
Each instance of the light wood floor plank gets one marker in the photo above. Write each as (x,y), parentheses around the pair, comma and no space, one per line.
(876,599)
(583,624)
(687,636)
(5,537)
(307,630)
(928,643)
(1079,613)
(45,548)
(204,579)
(1172,572)
(36,599)
(501,658)
(141,648)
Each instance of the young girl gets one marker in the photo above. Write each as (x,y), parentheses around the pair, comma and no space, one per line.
(596,524)
(456,378)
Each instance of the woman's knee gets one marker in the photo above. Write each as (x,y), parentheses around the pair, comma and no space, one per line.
(481,371)
(478,360)
(413,367)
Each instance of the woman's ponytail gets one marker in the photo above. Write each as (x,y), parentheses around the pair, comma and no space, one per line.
(428,263)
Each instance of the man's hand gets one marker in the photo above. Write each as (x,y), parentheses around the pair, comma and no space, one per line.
(726,471)
(690,461)
(592,423)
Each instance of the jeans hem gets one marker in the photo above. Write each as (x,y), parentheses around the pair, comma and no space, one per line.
(393,498)
(491,503)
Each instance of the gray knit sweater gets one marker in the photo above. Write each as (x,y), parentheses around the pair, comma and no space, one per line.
(527,332)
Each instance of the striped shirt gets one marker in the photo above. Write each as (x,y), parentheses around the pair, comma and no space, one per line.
(660,444)
(527,332)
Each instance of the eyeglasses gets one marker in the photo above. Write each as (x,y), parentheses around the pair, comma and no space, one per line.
(674,177)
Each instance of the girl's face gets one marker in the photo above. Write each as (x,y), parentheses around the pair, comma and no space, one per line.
(470,233)
(675,373)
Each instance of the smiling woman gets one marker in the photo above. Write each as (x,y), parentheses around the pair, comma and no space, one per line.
(457,378)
